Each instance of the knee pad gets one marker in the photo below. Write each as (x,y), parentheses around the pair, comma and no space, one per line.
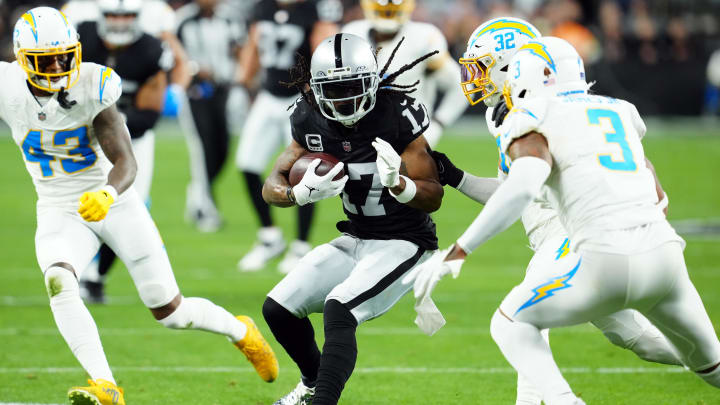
(181,318)
(154,279)
(60,281)
(337,316)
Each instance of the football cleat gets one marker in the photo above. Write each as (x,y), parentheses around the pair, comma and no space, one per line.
(100,392)
(92,292)
(270,245)
(301,395)
(296,251)
(258,351)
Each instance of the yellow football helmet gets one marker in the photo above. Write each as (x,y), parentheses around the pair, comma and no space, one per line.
(388,16)
(43,37)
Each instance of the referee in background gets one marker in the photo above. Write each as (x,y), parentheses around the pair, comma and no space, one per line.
(212,42)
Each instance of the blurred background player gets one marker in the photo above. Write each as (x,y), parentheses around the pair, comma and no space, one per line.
(281,31)
(386,23)
(212,42)
(77,150)
(143,61)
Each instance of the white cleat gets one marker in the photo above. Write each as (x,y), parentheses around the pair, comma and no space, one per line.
(301,395)
(296,251)
(270,245)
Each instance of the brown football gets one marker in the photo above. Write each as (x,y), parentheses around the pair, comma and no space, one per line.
(300,166)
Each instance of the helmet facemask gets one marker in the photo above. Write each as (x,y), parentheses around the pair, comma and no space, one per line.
(476,83)
(345,97)
(35,61)
(119,28)
(388,16)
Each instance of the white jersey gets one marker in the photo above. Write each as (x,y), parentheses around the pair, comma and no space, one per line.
(599,182)
(58,145)
(420,39)
(540,218)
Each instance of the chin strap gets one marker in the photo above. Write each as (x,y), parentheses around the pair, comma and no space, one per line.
(63,101)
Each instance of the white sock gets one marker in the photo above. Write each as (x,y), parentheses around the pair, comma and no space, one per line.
(75,323)
(199,313)
(523,346)
(712,378)
(527,393)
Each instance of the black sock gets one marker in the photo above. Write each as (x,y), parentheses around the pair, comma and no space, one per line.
(107,258)
(255,185)
(296,336)
(339,353)
(305,217)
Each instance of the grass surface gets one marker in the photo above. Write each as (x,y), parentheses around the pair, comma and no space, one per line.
(396,363)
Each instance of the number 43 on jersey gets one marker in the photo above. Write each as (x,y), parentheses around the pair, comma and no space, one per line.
(79,158)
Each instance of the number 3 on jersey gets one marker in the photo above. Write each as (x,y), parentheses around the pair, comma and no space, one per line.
(33,151)
(619,137)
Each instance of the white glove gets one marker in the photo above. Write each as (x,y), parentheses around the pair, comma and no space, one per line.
(313,188)
(388,163)
(424,278)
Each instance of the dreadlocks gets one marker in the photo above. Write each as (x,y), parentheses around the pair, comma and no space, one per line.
(300,76)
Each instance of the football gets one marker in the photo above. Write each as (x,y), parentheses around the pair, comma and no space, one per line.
(300,166)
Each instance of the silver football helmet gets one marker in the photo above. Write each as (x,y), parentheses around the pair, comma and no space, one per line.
(119,23)
(344,78)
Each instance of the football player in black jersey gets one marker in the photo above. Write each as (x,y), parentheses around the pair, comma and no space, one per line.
(280,30)
(117,41)
(376,131)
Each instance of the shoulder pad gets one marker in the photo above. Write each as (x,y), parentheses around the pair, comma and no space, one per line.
(637,121)
(526,116)
(489,121)
(107,85)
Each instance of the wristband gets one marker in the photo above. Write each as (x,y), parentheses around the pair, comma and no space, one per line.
(407,194)
(110,190)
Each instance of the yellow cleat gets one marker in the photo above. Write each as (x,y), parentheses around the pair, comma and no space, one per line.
(100,392)
(258,351)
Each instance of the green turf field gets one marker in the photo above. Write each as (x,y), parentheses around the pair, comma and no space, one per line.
(396,363)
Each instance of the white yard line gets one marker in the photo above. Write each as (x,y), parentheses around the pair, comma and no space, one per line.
(361,370)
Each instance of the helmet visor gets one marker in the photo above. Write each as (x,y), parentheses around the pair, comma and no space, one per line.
(345,99)
(475,75)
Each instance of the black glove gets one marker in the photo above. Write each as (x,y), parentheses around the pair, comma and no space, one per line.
(448,173)
(499,113)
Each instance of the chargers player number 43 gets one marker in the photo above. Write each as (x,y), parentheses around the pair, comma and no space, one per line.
(85,156)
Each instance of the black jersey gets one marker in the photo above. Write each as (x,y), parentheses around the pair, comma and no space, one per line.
(135,63)
(372,212)
(284,33)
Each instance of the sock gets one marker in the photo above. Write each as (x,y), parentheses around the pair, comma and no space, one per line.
(712,378)
(75,323)
(523,346)
(305,217)
(339,353)
(527,393)
(254,186)
(107,258)
(202,314)
(296,336)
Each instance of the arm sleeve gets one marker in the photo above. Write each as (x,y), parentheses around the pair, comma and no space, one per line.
(526,178)
(453,102)
(479,189)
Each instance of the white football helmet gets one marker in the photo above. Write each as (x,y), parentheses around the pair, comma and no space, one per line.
(387,16)
(344,78)
(485,61)
(546,67)
(42,37)
(119,22)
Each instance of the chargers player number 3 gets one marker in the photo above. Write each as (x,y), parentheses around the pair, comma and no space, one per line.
(619,137)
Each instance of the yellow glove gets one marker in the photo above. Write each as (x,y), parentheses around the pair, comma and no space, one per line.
(94,205)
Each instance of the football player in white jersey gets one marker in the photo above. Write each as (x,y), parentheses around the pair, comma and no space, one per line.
(386,23)
(62,115)
(587,150)
(485,63)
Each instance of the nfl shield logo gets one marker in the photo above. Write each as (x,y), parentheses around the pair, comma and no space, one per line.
(346,146)
(42,116)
